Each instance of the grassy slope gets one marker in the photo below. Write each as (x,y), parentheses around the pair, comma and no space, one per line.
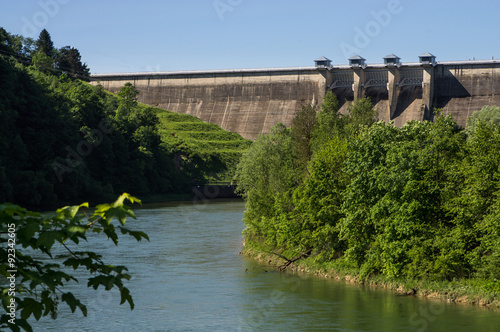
(193,138)
(189,131)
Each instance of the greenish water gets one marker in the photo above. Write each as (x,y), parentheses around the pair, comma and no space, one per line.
(190,277)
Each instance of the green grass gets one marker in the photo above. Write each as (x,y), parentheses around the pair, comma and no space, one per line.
(214,151)
(203,137)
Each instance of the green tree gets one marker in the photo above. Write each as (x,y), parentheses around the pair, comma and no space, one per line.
(475,208)
(302,130)
(86,106)
(396,222)
(330,105)
(329,122)
(361,113)
(266,171)
(24,47)
(146,134)
(5,43)
(39,279)
(487,114)
(43,62)
(318,201)
(18,46)
(69,61)
(128,93)
(146,118)
(45,45)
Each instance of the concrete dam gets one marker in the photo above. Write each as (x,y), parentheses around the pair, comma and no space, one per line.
(252,101)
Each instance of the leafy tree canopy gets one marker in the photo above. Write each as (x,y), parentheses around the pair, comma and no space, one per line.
(69,61)
(302,133)
(488,115)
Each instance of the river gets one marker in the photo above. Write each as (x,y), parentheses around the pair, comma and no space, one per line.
(191,277)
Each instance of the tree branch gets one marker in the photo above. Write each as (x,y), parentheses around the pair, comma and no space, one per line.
(290,261)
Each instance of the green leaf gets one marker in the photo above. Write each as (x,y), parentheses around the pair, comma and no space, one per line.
(69,212)
(24,324)
(73,303)
(136,234)
(116,210)
(47,239)
(30,306)
(76,229)
(121,199)
(75,262)
(108,281)
(121,213)
(125,296)
(110,232)
(30,228)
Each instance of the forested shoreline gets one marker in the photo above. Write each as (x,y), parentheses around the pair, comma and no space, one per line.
(414,206)
(63,141)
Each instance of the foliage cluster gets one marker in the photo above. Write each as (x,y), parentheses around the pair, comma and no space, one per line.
(64,141)
(277,169)
(42,54)
(419,202)
(39,277)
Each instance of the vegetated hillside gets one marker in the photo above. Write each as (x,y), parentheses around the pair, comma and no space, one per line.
(63,140)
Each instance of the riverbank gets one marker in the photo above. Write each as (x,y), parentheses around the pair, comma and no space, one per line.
(195,193)
(475,292)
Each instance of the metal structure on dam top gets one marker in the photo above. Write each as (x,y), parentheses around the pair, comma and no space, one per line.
(411,74)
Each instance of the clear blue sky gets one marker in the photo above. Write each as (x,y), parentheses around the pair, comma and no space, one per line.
(165,35)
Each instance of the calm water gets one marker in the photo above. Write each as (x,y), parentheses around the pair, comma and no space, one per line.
(190,277)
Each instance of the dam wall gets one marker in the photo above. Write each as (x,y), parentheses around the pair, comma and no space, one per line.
(248,102)
(252,101)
